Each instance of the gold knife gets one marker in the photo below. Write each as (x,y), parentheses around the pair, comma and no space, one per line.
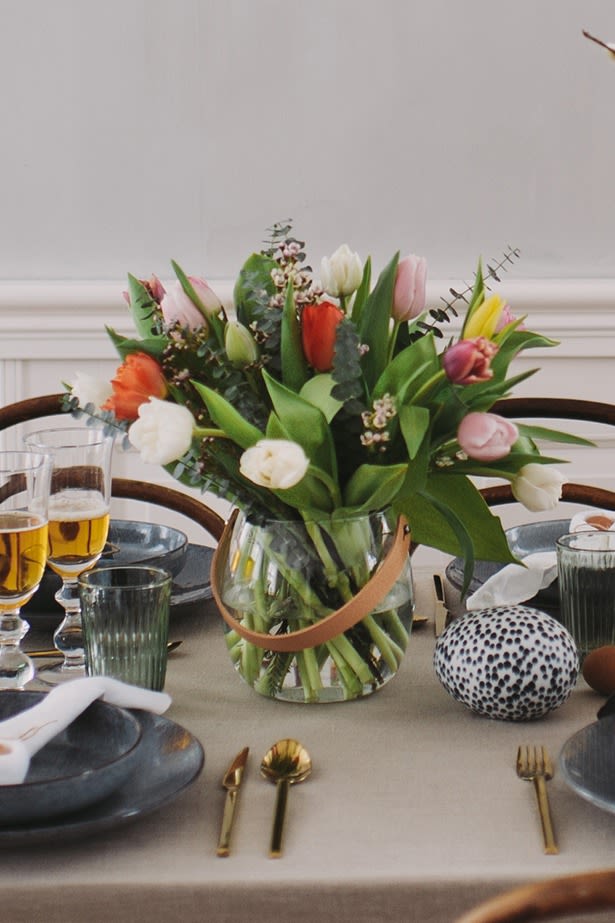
(231,782)
(441,610)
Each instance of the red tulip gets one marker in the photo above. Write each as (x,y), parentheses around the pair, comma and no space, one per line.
(136,380)
(318,326)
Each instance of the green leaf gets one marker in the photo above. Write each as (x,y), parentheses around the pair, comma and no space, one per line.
(429,511)
(503,468)
(414,422)
(294,366)
(317,391)
(481,395)
(409,370)
(347,373)
(275,430)
(554,435)
(304,423)
(254,286)
(310,495)
(361,293)
(153,346)
(143,308)
(374,325)
(372,487)
(227,418)
(478,295)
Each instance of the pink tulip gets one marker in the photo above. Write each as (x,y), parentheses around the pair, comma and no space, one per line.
(486,437)
(178,308)
(409,291)
(153,285)
(469,361)
(507,317)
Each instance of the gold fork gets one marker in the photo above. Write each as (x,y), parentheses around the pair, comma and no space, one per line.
(534,765)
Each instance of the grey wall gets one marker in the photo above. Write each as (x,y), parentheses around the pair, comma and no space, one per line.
(136,131)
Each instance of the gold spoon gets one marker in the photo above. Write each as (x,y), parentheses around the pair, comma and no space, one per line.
(285,763)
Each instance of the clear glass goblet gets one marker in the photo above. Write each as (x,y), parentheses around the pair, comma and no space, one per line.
(24,494)
(79,501)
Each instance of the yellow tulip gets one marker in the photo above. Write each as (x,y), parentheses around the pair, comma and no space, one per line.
(484,319)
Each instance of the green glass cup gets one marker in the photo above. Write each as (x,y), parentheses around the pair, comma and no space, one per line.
(586,573)
(125,616)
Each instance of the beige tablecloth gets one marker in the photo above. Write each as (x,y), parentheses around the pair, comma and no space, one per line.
(413,811)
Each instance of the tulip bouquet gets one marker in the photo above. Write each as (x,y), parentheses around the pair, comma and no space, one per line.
(323,399)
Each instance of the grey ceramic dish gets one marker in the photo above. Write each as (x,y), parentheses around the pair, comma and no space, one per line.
(587,761)
(128,543)
(83,764)
(523,540)
(170,760)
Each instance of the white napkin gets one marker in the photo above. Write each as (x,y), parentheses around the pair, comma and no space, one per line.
(24,734)
(517,583)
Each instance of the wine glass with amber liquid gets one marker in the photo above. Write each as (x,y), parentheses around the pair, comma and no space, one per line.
(79,500)
(24,494)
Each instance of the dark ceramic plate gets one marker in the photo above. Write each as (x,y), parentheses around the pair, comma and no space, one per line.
(128,543)
(587,761)
(83,764)
(192,584)
(170,760)
(523,540)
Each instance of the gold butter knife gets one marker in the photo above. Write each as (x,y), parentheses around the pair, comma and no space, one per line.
(231,782)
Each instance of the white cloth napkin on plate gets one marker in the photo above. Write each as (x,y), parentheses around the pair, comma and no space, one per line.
(517,583)
(25,733)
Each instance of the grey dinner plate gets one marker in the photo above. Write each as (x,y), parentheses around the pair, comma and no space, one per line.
(171,759)
(525,539)
(82,764)
(587,762)
(189,586)
(128,542)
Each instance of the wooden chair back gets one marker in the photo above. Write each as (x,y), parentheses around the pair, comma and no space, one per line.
(125,488)
(551,899)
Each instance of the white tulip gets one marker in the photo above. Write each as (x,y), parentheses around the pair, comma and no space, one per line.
(163,431)
(274,463)
(538,487)
(90,390)
(341,274)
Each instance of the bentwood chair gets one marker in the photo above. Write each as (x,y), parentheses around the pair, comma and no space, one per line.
(122,488)
(551,899)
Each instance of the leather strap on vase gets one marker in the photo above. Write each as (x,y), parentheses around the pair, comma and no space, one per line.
(331,625)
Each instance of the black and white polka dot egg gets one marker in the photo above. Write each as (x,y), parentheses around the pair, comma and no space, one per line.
(508,662)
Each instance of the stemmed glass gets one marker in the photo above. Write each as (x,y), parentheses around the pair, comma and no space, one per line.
(78,525)
(24,494)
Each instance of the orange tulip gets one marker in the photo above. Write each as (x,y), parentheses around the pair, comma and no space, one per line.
(136,380)
(318,326)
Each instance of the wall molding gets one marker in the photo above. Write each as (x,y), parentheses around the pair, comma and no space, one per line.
(41,318)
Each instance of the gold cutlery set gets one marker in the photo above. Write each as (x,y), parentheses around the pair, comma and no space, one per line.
(286,763)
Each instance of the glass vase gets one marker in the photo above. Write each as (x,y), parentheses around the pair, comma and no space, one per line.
(279,577)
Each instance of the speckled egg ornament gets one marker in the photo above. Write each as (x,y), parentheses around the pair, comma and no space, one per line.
(508,662)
